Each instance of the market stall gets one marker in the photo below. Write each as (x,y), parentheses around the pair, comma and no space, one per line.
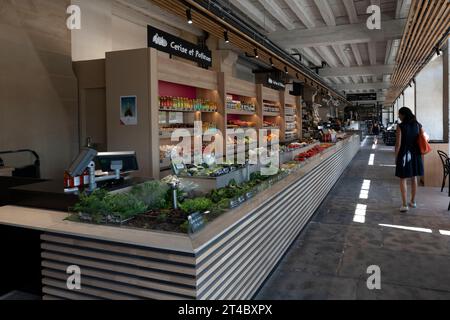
(213,249)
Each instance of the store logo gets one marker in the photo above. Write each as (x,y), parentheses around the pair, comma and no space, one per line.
(374,21)
(374,281)
(74,20)
(275,83)
(160,41)
(74,280)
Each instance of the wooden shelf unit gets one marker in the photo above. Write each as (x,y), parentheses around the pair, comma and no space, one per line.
(150,67)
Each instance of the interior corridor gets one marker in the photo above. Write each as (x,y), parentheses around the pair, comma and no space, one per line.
(359,225)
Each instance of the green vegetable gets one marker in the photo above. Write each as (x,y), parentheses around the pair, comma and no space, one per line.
(185,227)
(196,205)
(232,183)
(100,204)
(92,204)
(153,194)
(125,205)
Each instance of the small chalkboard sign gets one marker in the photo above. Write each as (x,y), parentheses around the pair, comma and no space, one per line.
(177,167)
(196,222)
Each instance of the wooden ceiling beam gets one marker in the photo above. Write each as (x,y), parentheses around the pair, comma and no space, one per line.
(215,26)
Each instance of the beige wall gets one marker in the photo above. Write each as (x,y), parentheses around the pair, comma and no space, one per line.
(37,86)
(109,25)
(143,137)
(430,93)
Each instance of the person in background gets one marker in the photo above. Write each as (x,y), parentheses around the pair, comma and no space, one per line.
(376,129)
(409,164)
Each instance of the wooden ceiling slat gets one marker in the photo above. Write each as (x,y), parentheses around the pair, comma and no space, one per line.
(421,46)
(410,41)
(428,22)
(433,35)
(209,23)
(417,44)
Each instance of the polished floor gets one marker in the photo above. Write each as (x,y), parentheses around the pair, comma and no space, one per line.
(359,225)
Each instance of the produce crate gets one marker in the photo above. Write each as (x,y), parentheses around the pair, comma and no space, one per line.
(207,184)
(289,156)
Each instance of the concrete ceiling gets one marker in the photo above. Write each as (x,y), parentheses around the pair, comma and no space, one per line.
(358,60)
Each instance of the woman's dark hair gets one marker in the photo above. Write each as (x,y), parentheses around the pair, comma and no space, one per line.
(407,114)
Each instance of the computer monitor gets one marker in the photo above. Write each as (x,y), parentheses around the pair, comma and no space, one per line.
(129,161)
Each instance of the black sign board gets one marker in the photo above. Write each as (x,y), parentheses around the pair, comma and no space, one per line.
(168,43)
(271,80)
(196,222)
(275,83)
(362,97)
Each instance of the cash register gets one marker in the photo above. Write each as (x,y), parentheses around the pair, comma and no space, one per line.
(113,166)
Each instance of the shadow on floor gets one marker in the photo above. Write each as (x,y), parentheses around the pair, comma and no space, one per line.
(359,225)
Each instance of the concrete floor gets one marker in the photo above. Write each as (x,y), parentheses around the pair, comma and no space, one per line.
(330,258)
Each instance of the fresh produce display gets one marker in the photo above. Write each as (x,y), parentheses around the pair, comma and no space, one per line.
(311,153)
(236,123)
(208,171)
(196,205)
(291,126)
(152,193)
(186,104)
(270,124)
(150,206)
(271,108)
(289,111)
(297,145)
(235,105)
(102,207)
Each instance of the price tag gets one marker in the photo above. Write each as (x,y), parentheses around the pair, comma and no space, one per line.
(196,222)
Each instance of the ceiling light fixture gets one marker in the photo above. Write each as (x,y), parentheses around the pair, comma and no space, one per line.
(189,16)
(225,36)
(256,53)
(286,70)
(271,62)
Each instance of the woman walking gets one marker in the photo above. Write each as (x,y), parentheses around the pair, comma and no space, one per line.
(409,164)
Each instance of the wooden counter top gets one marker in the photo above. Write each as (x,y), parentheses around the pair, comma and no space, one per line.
(54,222)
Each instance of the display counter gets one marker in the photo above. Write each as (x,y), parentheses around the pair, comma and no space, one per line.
(229,259)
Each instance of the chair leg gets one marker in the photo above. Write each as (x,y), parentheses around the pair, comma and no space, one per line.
(444,182)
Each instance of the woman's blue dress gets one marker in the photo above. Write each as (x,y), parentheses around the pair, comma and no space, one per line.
(409,161)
